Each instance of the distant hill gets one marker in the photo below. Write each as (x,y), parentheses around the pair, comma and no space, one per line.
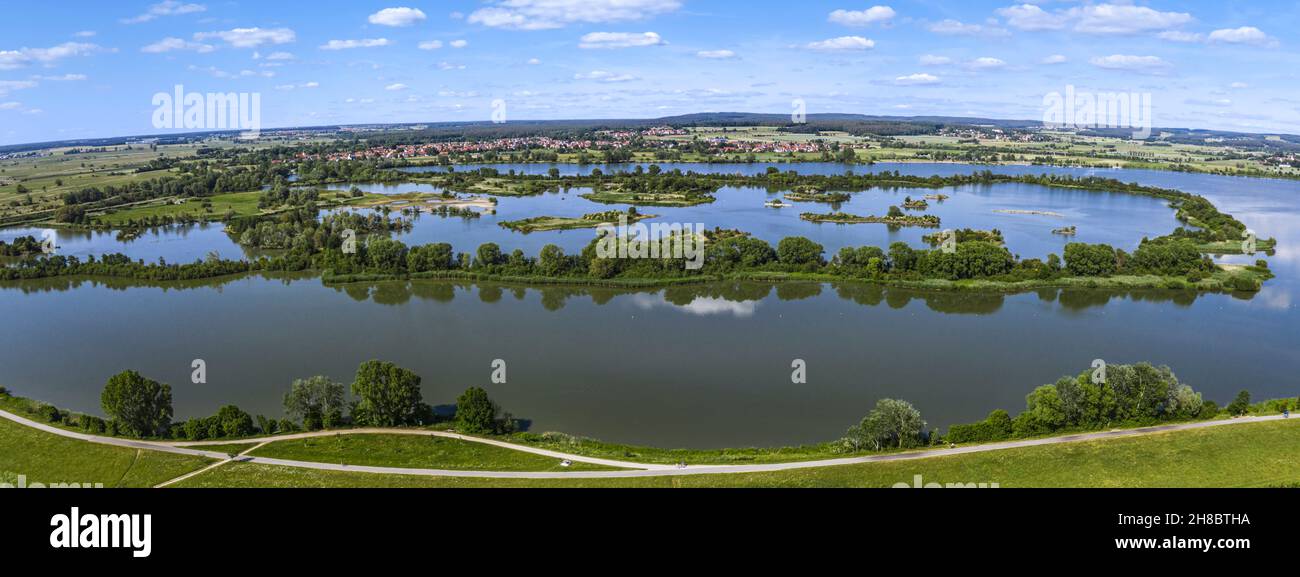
(858,124)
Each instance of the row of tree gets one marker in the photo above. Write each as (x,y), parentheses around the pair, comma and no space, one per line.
(385,395)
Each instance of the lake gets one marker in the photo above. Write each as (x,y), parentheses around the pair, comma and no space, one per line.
(705,366)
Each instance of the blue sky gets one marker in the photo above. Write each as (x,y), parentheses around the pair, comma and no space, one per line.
(90,69)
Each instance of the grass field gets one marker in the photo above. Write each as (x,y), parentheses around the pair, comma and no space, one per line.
(45,458)
(416,452)
(1247,455)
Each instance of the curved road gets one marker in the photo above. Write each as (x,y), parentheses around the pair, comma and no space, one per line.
(636,469)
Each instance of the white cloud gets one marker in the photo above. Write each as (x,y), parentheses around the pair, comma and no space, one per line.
(534,61)
(606,40)
(63,78)
(1147,64)
(397,17)
(1124,19)
(7,86)
(604,76)
(932,60)
(280,56)
(843,44)
(250,37)
(10,105)
(548,14)
(1180,36)
(305,85)
(449,66)
(431,45)
(459,43)
(85,34)
(172,44)
(986,63)
(349,44)
(1243,35)
(916,79)
(13,59)
(715,54)
(862,17)
(1106,18)
(396,87)
(1029,17)
(1054,59)
(165,8)
(952,27)
(1238,85)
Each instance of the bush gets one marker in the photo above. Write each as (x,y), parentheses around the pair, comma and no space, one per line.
(996,427)
(234,422)
(1240,405)
(48,413)
(93,425)
(4,392)
(196,430)
(476,414)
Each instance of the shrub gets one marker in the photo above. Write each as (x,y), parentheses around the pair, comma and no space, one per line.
(1240,405)
(93,425)
(234,422)
(48,413)
(475,412)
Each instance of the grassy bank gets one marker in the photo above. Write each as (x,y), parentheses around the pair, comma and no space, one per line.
(45,458)
(1246,455)
(416,452)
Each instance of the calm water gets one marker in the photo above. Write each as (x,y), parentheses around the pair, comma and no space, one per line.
(700,366)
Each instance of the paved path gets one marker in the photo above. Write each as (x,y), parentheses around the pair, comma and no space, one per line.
(637,469)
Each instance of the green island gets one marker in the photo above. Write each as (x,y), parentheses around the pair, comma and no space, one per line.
(965,235)
(895,218)
(308,243)
(814,194)
(918,204)
(594,220)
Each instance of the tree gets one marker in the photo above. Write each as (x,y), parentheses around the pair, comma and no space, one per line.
(1090,259)
(429,257)
(475,412)
(1240,405)
(234,422)
(317,402)
(489,254)
(892,422)
(142,407)
(551,260)
(387,255)
(799,252)
(389,395)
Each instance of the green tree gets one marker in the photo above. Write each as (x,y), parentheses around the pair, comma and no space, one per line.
(799,252)
(387,255)
(476,414)
(234,422)
(1240,405)
(489,254)
(388,395)
(892,422)
(142,407)
(317,402)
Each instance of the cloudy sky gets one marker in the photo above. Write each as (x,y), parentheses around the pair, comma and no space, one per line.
(90,69)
